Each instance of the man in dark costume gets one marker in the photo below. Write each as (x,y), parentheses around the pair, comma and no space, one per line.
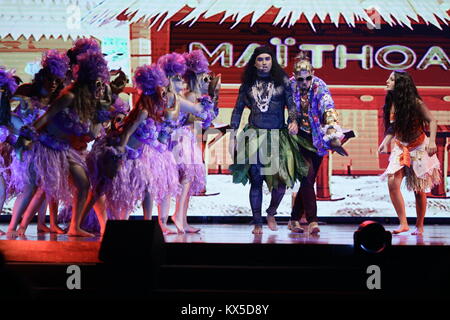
(266,149)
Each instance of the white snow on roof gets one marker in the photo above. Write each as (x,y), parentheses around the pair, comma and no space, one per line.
(401,12)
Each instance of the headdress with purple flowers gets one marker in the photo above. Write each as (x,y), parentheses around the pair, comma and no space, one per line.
(7,80)
(173,64)
(91,66)
(119,106)
(147,78)
(196,62)
(82,46)
(56,63)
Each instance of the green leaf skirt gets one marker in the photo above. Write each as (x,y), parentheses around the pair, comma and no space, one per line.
(277,151)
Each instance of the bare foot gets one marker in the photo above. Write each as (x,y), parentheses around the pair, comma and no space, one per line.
(178,224)
(272,223)
(57,229)
(257,230)
(11,234)
(21,231)
(418,231)
(74,232)
(401,229)
(191,229)
(166,230)
(43,228)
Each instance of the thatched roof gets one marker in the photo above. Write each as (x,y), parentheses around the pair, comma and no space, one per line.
(54,18)
(289,12)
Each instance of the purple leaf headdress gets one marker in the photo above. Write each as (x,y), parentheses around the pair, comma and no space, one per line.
(173,64)
(196,62)
(56,63)
(147,78)
(91,66)
(7,80)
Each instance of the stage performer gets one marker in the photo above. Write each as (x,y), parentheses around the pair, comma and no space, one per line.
(34,99)
(186,148)
(60,170)
(80,46)
(113,110)
(8,86)
(265,89)
(319,131)
(144,169)
(413,154)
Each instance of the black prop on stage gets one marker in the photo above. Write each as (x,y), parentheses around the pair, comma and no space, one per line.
(129,241)
(132,252)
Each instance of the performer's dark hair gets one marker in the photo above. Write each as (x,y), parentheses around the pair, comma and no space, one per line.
(5,108)
(38,83)
(409,117)
(250,73)
(153,104)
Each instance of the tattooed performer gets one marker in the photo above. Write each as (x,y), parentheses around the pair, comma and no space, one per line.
(265,89)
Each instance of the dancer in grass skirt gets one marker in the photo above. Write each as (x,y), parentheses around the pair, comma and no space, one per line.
(413,154)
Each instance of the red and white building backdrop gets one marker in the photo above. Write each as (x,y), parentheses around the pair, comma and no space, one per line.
(354,61)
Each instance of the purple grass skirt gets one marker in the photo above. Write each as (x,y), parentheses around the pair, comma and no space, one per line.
(50,170)
(163,174)
(5,169)
(152,171)
(126,189)
(21,171)
(188,156)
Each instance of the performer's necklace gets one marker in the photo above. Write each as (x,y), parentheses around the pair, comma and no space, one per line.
(262,92)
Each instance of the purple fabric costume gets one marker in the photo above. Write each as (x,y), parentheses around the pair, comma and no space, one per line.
(9,85)
(21,173)
(150,167)
(50,158)
(186,152)
(57,65)
(188,156)
(160,161)
(321,101)
(5,160)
